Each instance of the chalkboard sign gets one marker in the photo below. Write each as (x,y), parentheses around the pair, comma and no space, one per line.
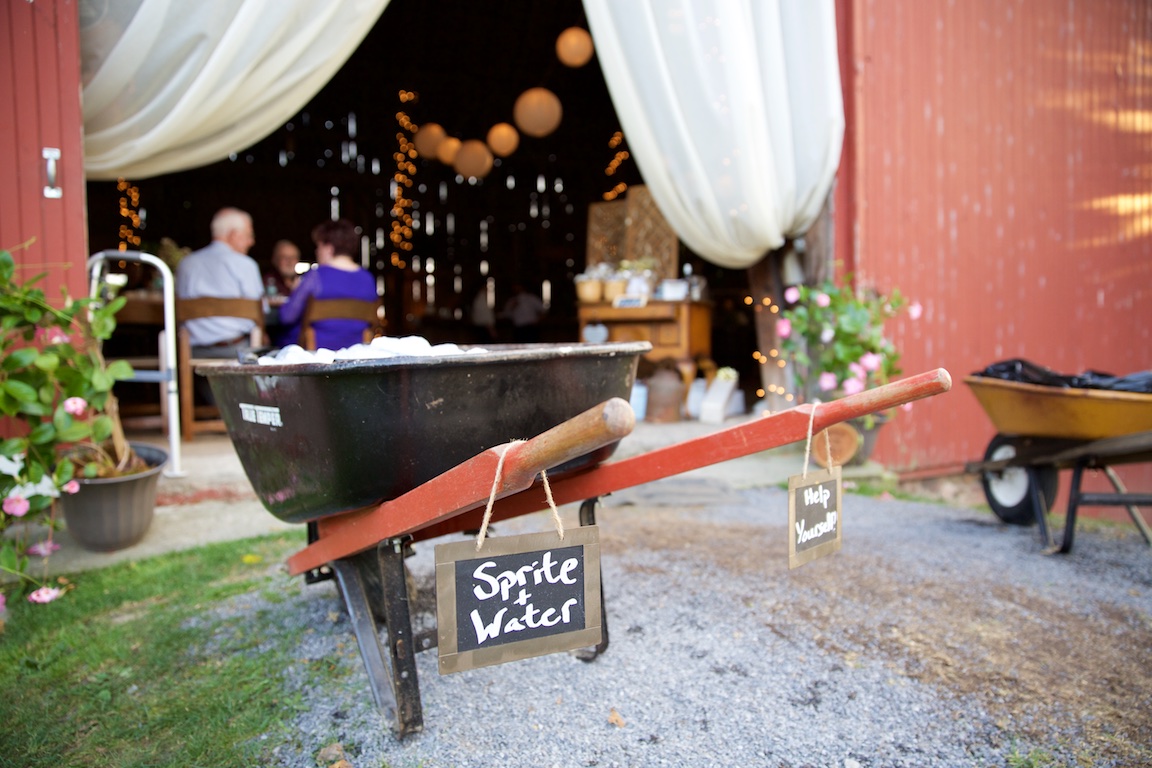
(814,507)
(518,597)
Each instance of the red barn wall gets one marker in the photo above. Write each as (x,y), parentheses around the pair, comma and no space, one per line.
(40,98)
(997,168)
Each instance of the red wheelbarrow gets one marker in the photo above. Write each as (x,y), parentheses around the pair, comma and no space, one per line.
(377,454)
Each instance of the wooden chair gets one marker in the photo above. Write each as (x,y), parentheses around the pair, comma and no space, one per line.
(339,309)
(206,418)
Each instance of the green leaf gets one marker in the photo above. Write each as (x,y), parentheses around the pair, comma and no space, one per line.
(20,358)
(48,362)
(80,430)
(61,419)
(12,446)
(20,391)
(34,409)
(102,428)
(120,370)
(9,561)
(42,433)
(101,381)
(65,471)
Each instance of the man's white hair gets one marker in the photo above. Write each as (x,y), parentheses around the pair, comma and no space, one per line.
(229,220)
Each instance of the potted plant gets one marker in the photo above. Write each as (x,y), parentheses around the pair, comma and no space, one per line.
(62,431)
(833,337)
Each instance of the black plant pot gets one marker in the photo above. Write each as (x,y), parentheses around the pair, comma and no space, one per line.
(868,432)
(112,513)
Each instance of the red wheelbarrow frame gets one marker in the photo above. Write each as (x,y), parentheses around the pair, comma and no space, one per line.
(365,548)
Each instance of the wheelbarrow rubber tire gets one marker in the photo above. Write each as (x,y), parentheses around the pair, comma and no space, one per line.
(1009,492)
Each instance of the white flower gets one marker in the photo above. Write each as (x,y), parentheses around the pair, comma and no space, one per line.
(43,488)
(12,466)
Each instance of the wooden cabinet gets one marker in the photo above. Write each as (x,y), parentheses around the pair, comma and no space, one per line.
(681,330)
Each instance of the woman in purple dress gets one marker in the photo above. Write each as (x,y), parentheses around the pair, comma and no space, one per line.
(337,276)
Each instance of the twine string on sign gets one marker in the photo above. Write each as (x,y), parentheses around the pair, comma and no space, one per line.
(496,486)
(808,443)
(552,505)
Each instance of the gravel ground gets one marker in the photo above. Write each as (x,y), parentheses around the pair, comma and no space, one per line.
(935,637)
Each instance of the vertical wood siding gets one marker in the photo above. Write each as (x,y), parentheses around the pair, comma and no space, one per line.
(40,99)
(998,169)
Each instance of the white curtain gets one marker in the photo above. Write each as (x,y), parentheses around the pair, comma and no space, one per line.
(175,84)
(732,110)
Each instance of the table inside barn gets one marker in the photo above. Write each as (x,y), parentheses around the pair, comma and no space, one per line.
(677,330)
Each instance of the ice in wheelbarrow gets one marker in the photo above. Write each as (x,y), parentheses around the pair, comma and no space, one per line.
(318,439)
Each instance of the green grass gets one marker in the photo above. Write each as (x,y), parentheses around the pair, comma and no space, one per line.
(1037,758)
(118,673)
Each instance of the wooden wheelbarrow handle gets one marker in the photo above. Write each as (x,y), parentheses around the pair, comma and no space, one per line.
(744,439)
(467,485)
(454,501)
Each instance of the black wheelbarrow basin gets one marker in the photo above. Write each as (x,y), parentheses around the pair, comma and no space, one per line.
(319,439)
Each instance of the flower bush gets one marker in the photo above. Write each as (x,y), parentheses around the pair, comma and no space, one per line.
(834,339)
(61,420)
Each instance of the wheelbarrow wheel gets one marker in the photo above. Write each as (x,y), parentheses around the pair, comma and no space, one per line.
(1009,491)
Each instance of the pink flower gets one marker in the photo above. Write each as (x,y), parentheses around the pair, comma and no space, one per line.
(792,294)
(43,548)
(71,487)
(852,386)
(906,407)
(75,406)
(45,595)
(49,336)
(17,506)
(915,309)
(827,381)
(783,327)
(827,335)
(858,370)
(870,361)
(3,603)
(823,299)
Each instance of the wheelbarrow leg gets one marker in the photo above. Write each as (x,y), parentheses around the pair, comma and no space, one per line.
(355,593)
(402,649)
(1073,507)
(392,676)
(588,517)
(1133,510)
(1039,505)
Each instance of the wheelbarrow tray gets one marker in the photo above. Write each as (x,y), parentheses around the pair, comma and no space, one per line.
(1042,429)
(320,439)
(1035,410)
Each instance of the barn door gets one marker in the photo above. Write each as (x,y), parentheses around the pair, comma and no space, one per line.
(41,142)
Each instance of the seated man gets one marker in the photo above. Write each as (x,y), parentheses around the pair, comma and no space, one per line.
(221,270)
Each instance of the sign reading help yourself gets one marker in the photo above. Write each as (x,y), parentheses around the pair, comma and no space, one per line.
(518,597)
(814,507)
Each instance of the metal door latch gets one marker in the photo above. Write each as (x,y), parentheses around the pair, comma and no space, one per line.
(51,155)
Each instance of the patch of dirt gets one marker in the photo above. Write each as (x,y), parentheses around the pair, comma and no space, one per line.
(959,491)
(179,495)
(1041,670)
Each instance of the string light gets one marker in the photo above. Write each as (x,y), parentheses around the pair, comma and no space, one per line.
(613,166)
(402,223)
(130,210)
(773,355)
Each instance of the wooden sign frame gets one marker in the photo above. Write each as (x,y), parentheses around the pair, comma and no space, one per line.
(827,484)
(457,557)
